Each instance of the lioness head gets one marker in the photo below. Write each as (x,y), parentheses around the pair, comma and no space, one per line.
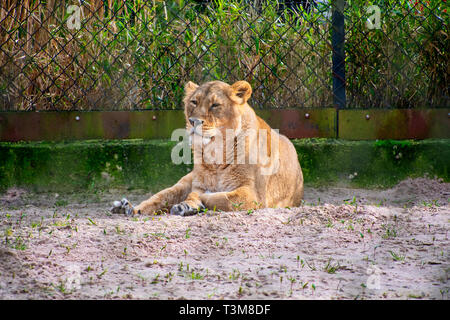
(214,106)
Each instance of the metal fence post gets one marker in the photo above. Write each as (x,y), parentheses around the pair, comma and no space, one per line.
(338,44)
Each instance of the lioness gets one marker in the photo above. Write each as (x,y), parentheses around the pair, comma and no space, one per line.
(212,110)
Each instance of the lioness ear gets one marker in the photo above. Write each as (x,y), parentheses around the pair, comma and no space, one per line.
(241,91)
(190,87)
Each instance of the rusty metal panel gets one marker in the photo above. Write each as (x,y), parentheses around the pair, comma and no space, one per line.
(398,124)
(367,124)
(302,123)
(73,125)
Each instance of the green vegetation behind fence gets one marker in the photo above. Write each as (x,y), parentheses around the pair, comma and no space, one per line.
(138,54)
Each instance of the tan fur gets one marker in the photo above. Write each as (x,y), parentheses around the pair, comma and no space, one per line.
(230,186)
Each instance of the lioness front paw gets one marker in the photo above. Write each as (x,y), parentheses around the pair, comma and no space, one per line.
(183,209)
(123,207)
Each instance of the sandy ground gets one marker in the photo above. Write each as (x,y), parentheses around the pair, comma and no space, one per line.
(341,244)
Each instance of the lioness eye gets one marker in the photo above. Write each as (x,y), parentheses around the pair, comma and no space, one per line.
(214,105)
(194,102)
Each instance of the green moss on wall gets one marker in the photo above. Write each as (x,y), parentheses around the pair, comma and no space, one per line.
(66,167)
(371,163)
(146,164)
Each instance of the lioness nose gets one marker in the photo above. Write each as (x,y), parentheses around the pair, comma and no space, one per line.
(195,122)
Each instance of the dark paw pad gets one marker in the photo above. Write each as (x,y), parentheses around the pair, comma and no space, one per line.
(122,207)
(183,209)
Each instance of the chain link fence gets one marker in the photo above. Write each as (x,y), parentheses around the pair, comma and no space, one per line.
(135,54)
